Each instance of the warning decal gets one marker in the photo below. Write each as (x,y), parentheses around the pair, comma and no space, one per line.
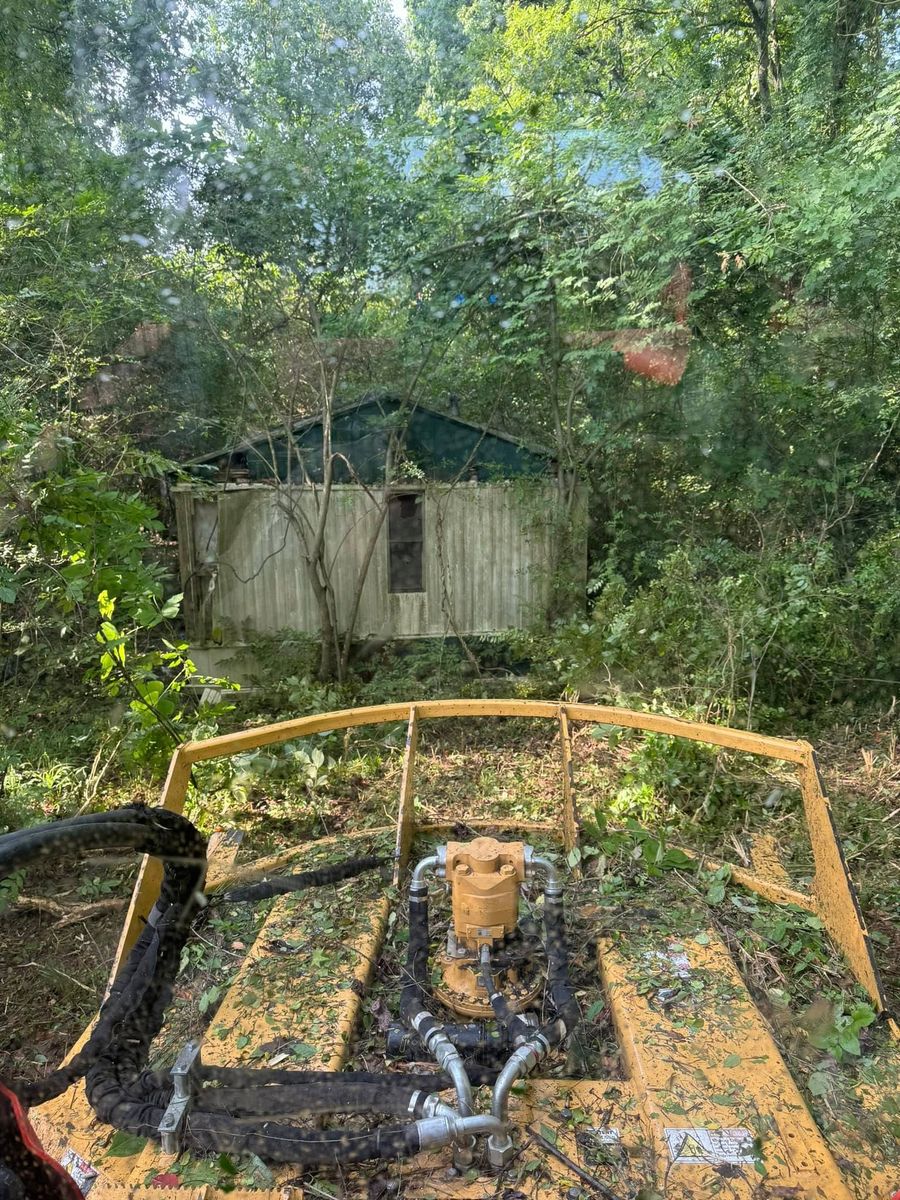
(82,1172)
(710,1146)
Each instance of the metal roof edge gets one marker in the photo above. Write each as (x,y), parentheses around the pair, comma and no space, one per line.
(363,402)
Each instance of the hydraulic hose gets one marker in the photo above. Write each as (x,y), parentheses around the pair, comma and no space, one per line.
(148,831)
(285,1143)
(563,1020)
(125,1094)
(412,997)
(485,1045)
(445,1055)
(281,885)
(517,1029)
(415,985)
(562,998)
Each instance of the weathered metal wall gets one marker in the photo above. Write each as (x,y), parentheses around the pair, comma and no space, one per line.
(487,557)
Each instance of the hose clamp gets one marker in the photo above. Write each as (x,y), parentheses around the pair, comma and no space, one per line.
(171,1126)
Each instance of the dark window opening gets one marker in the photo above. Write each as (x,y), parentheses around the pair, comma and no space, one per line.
(405,543)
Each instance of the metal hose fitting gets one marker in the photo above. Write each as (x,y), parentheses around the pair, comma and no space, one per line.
(446,1055)
(424,866)
(435,1132)
(519,1064)
(536,862)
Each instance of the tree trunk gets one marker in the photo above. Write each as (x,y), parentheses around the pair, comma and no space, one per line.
(358,590)
(768,57)
(849,18)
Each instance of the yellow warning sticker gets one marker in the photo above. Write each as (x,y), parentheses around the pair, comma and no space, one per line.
(712,1146)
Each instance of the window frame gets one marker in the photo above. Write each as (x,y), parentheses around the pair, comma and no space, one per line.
(404,539)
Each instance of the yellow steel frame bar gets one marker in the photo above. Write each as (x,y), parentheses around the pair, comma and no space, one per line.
(406,815)
(570,808)
(833,893)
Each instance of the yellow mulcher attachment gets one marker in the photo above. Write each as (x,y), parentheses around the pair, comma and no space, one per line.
(484,1089)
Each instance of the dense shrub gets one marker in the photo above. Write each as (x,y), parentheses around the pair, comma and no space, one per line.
(729,630)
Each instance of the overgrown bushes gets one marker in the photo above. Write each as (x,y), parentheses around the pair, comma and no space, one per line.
(740,634)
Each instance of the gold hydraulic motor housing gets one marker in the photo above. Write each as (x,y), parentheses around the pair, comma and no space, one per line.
(485,876)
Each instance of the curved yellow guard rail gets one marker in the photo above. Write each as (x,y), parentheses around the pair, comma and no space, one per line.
(833,894)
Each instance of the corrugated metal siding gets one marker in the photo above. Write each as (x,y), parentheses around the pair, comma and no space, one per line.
(495,550)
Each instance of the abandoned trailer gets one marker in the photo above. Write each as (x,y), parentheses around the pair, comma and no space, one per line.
(473,532)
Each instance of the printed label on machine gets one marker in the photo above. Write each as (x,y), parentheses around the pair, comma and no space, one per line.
(710,1145)
(675,961)
(82,1172)
(599,1146)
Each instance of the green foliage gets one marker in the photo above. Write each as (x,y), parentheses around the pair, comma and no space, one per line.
(720,627)
(648,849)
(840,1039)
(303,764)
(677,774)
(155,681)
(10,887)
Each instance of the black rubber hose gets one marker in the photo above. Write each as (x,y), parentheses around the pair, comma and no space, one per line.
(427,1081)
(287,1144)
(148,831)
(333,1097)
(127,1096)
(253,1076)
(217,1132)
(281,885)
(415,986)
(514,1026)
(559,989)
(483,1044)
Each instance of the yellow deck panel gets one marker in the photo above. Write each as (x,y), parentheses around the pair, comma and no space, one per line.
(709,1062)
